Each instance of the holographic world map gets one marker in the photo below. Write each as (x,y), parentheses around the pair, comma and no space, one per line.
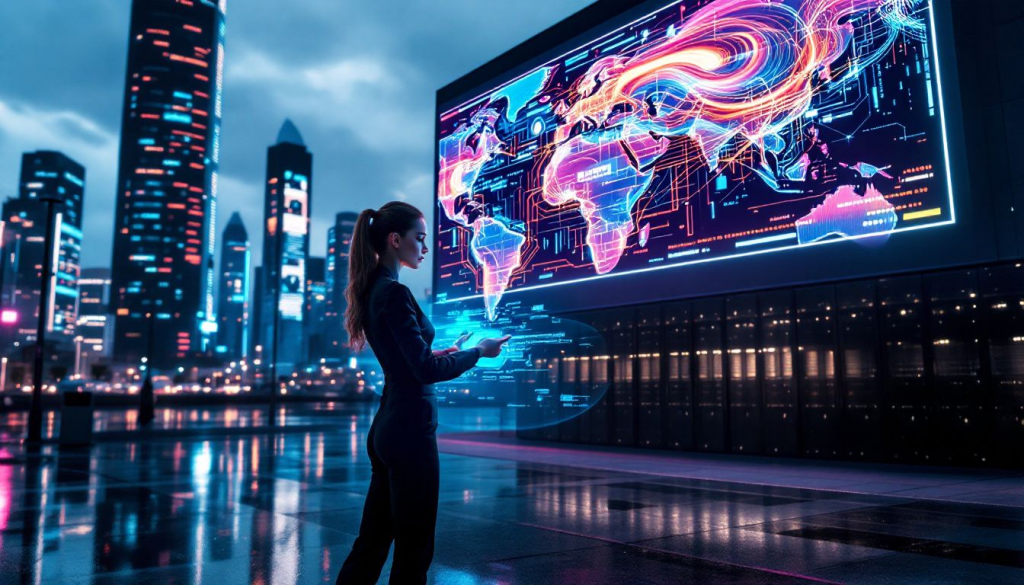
(706,130)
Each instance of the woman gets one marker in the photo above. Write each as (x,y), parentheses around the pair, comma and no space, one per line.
(402,501)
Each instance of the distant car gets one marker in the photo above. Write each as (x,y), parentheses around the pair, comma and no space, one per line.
(74,386)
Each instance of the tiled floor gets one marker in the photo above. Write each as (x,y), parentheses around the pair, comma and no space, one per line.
(283,508)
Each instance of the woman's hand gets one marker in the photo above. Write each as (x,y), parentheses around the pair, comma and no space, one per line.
(491,347)
(462,339)
(457,346)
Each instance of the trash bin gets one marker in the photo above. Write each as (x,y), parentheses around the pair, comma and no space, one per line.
(76,419)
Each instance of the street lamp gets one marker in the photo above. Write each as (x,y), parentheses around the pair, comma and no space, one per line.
(146,398)
(78,357)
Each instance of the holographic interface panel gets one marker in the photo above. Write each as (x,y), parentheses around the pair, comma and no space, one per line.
(704,131)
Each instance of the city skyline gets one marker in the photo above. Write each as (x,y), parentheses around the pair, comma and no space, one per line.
(359,84)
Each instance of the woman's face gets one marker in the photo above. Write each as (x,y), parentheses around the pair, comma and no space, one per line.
(412,247)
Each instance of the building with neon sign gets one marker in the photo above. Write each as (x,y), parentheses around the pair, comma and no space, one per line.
(44,174)
(162,266)
(288,193)
(95,325)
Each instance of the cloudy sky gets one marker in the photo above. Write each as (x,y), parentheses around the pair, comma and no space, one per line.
(357,78)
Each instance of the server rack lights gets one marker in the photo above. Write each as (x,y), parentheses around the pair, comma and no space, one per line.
(917,369)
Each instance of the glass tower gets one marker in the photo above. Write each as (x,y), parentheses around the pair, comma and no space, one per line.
(289,191)
(233,306)
(162,265)
(339,242)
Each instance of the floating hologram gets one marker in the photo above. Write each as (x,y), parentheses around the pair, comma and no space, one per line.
(526,386)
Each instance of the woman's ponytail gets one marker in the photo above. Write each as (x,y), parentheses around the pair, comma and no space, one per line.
(362,260)
(368,241)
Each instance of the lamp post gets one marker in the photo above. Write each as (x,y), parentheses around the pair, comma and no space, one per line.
(277,317)
(35,413)
(3,374)
(146,398)
(78,357)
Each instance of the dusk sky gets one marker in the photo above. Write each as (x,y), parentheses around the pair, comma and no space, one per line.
(357,78)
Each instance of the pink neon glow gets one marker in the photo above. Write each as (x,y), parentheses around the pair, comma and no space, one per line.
(462,156)
(8,316)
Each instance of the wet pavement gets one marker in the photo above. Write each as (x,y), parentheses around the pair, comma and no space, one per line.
(283,507)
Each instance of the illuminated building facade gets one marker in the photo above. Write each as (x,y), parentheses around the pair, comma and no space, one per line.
(233,305)
(95,325)
(44,174)
(162,266)
(289,190)
(316,310)
(339,243)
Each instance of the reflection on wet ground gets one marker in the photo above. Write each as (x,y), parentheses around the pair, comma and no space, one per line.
(284,507)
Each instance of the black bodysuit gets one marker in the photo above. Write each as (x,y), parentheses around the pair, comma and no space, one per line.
(401,504)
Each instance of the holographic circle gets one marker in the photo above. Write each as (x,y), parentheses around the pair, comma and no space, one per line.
(552,369)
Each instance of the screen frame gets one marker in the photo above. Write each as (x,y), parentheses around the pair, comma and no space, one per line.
(974,216)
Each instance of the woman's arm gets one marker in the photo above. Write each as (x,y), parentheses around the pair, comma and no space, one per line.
(457,346)
(426,366)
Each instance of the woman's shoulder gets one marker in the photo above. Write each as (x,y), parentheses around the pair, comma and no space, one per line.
(387,288)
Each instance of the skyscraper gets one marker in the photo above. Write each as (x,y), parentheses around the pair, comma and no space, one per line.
(339,243)
(162,266)
(44,174)
(316,310)
(233,306)
(95,325)
(289,190)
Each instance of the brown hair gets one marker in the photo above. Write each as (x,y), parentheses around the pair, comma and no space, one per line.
(368,243)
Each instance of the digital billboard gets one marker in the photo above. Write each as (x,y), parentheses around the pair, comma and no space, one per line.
(699,132)
(295,222)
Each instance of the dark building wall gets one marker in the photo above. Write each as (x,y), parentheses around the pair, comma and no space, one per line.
(255,325)
(922,367)
(315,324)
(162,262)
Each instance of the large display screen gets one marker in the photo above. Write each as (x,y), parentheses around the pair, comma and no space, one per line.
(295,216)
(703,131)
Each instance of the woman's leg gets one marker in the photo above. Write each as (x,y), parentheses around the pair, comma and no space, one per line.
(370,550)
(414,492)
